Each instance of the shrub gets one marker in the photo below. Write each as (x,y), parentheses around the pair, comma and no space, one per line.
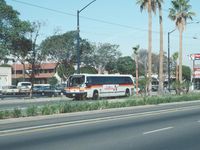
(65,107)
(46,110)
(129,103)
(104,104)
(140,102)
(32,111)
(95,106)
(1,114)
(54,109)
(16,113)
(7,114)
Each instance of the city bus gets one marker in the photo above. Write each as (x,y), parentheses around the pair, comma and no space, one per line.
(82,86)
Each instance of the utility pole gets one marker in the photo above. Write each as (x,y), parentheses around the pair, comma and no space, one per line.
(78,36)
(168,62)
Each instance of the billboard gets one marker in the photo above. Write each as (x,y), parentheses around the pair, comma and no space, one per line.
(195,56)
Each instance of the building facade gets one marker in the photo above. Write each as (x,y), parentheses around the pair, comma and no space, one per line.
(43,72)
(5,76)
(195,71)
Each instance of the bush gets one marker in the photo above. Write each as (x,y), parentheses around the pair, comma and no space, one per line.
(96,105)
(65,107)
(129,103)
(46,110)
(104,105)
(1,114)
(7,114)
(16,113)
(32,111)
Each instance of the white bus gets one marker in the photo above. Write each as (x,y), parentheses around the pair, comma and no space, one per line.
(81,86)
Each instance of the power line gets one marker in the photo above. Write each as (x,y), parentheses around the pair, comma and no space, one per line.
(88,18)
(41,7)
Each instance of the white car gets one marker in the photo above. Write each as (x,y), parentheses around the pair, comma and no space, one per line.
(10,90)
(24,86)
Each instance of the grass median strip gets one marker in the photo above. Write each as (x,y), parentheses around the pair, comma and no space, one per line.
(77,106)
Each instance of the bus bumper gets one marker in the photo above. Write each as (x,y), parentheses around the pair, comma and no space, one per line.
(75,94)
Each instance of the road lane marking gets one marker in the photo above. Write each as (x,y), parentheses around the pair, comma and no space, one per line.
(158,130)
(90,121)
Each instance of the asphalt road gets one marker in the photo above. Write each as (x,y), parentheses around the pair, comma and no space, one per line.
(161,127)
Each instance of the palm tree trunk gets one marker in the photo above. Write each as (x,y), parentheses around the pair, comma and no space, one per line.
(136,61)
(23,71)
(161,53)
(149,45)
(177,71)
(180,52)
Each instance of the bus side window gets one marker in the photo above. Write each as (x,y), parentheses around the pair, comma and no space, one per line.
(89,81)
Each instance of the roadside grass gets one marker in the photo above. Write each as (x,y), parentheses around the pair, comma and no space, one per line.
(78,106)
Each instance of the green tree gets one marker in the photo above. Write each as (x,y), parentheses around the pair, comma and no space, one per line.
(62,48)
(88,69)
(174,61)
(11,27)
(186,73)
(180,12)
(104,54)
(65,70)
(53,81)
(148,5)
(126,65)
(111,67)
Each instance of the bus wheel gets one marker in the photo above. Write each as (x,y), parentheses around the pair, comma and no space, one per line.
(84,97)
(78,97)
(127,94)
(95,95)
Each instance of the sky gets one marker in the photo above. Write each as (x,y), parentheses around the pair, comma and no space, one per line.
(117,22)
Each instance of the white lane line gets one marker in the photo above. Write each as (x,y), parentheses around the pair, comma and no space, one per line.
(91,121)
(158,130)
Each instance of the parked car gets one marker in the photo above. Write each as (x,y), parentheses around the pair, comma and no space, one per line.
(46,90)
(51,91)
(61,87)
(38,88)
(24,87)
(10,90)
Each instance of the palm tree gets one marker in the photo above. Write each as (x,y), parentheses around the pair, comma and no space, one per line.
(175,58)
(135,51)
(180,13)
(149,5)
(158,3)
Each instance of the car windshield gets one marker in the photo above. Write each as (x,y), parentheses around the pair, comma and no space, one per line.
(26,84)
(76,81)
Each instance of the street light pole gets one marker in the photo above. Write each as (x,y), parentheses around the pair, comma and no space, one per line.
(168,64)
(78,36)
(169,80)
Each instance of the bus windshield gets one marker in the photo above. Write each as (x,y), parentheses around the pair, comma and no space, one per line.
(76,81)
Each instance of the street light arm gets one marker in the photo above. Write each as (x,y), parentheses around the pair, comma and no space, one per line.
(86,6)
(197,22)
(193,22)
(172,31)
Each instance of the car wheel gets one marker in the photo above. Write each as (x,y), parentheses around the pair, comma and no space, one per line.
(127,93)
